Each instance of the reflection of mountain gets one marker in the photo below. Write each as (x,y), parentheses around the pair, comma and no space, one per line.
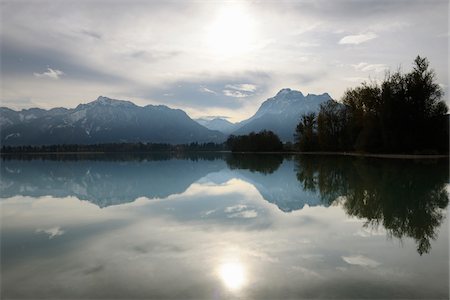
(112,180)
(407,197)
(275,180)
(102,182)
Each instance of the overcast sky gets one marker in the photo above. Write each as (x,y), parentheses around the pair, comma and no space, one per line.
(210,58)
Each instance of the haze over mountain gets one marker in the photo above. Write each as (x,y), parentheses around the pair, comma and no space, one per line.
(102,121)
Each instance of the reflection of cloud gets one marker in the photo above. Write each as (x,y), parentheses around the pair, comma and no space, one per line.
(262,256)
(358,38)
(307,272)
(360,260)
(240,211)
(235,208)
(52,232)
(366,232)
(94,270)
(246,214)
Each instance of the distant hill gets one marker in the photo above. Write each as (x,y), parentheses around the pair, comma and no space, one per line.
(104,120)
(219,124)
(282,113)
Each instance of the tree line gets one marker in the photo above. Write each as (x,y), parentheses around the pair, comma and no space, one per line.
(403,114)
(264,141)
(114,148)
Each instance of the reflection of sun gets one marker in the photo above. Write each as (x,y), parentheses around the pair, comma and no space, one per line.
(232,31)
(232,275)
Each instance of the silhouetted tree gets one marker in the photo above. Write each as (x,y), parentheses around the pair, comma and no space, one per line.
(264,141)
(306,133)
(331,126)
(404,114)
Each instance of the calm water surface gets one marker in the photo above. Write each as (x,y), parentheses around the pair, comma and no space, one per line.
(223,226)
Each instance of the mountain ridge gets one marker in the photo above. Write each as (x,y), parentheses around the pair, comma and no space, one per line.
(103,120)
(282,113)
(107,120)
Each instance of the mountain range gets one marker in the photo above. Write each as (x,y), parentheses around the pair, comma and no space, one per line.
(107,120)
(102,121)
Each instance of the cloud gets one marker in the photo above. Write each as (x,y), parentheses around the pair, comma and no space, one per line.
(206,90)
(101,52)
(366,67)
(91,33)
(240,90)
(358,38)
(234,94)
(212,117)
(246,87)
(50,73)
(355,79)
(208,93)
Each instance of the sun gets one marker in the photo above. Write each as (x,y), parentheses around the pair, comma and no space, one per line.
(232,31)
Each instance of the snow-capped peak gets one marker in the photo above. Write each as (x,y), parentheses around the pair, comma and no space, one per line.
(287,92)
(113,102)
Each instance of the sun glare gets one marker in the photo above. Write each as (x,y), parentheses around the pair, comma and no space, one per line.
(232,275)
(232,31)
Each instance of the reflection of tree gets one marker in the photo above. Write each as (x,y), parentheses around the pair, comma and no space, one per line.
(323,174)
(408,198)
(263,163)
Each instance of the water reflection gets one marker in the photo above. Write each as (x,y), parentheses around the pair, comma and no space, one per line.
(262,163)
(406,198)
(104,180)
(218,227)
(111,180)
(233,275)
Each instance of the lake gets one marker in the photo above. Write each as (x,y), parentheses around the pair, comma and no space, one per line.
(219,226)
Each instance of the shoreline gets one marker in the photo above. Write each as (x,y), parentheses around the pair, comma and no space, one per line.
(381,155)
(355,154)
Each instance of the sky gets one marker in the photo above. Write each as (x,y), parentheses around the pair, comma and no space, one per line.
(210,58)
